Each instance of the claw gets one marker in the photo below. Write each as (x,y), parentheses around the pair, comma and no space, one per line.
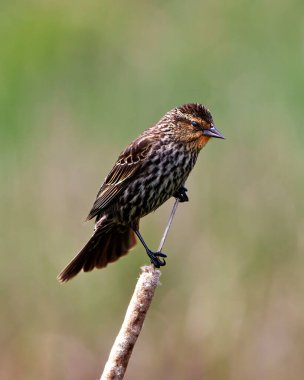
(181,194)
(158,263)
(159,254)
(154,257)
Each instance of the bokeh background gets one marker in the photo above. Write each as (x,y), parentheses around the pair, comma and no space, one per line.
(78,81)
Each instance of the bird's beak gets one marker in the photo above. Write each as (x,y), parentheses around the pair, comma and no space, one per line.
(213,132)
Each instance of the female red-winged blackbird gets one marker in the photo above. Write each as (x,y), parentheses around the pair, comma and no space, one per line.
(148,172)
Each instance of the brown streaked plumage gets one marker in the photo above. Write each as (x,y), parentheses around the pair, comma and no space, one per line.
(148,172)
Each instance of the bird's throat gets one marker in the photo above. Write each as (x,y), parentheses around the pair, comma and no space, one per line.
(202,141)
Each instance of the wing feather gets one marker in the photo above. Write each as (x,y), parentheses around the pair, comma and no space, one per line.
(127,165)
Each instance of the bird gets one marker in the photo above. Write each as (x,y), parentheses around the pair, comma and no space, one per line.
(152,169)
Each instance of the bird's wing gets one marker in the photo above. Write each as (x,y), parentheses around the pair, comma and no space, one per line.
(128,163)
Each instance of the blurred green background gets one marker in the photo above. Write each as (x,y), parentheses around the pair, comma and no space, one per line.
(79,80)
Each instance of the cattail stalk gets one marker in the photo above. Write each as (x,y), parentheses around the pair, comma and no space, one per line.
(122,348)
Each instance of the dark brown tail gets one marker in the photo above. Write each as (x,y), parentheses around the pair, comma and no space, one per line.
(106,245)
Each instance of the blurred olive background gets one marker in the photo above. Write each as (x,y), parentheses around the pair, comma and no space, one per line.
(79,80)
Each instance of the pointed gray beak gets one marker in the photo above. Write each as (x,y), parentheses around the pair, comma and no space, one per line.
(213,132)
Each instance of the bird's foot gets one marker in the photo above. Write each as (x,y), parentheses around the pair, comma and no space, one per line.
(181,194)
(154,257)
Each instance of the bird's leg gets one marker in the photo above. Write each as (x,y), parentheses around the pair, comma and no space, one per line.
(154,256)
(181,194)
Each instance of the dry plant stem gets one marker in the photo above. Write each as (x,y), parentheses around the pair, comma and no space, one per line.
(121,351)
(162,242)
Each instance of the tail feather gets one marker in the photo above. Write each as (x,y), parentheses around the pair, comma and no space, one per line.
(107,244)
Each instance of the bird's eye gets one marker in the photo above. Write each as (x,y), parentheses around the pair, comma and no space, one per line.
(195,124)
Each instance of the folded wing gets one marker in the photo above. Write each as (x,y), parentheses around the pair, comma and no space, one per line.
(128,164)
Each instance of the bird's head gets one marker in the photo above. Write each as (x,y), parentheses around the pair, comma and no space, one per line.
(193,124)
